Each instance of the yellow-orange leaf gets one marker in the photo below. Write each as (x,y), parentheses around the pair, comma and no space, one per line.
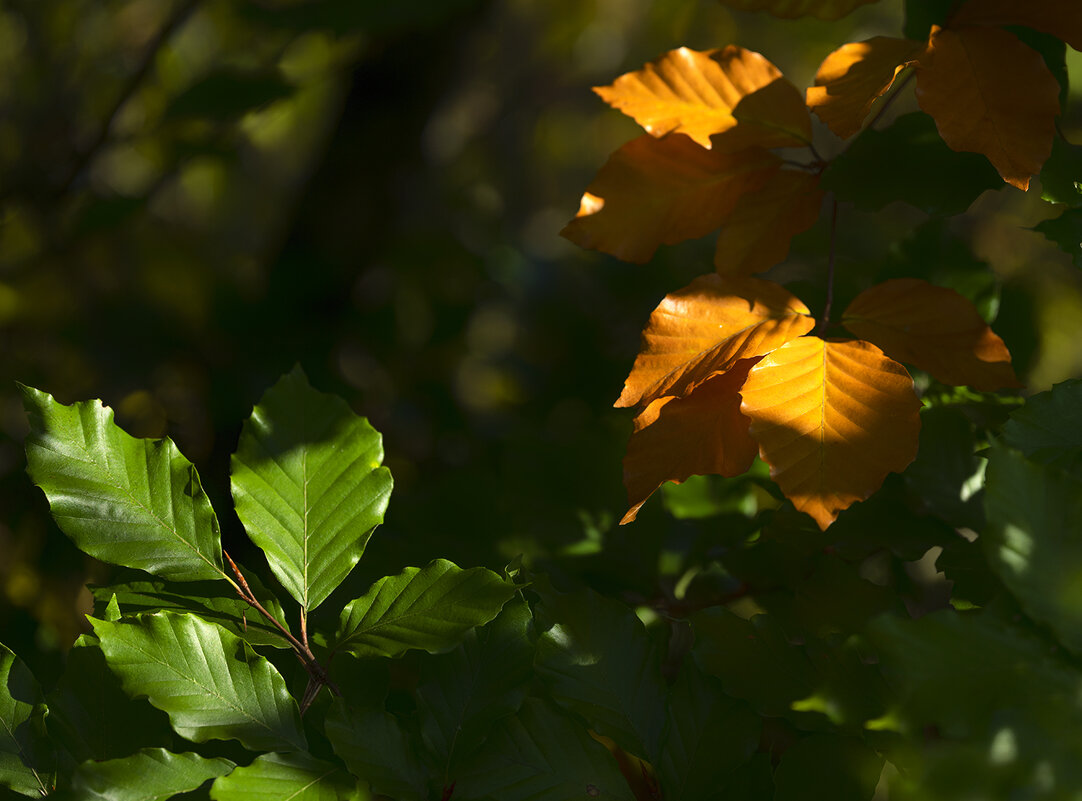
(831,419)
(757,234)
(1062,18)
(706,328)
(790,9)
(701,434)
(990,94)
(735,92)
(663,191)
(933,328)
(854,76)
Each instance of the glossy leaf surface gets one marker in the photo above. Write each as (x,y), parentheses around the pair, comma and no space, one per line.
(132,502)
(26,756)
(151,774)
(308,486)
(296,776)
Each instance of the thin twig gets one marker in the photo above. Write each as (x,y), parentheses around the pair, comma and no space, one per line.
(830,267)
(887,103)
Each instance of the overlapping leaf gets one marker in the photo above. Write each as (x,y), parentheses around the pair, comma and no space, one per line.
(932,328)
(1061,18)
(308,486)
(1048,429)
(1066,231)
(990,94)
(1061,176)
(757,234)
(210,682)
(375,748)
(701,434)
(151,774)
(733,94)
(430,608)
(296,776)
(706,328)
(854,76)
(128,501)
(831,419)
(26,756)
(788,9)
(663,191)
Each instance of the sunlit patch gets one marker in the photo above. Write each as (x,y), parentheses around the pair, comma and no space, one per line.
(1016,549)
(817,702)
(1004,748)
(590,204)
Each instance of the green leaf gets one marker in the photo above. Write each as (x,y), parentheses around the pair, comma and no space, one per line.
(598,661)
(464,692)
(91,717)
(375,748)
(1048,429)
(1033,540)
(26,755)
(430,608)
(152,774)
(931,177)
(945,478)
(541,755)
(210,682)
(308,486)
(213,601)
(1061,175)
(709,735)
(297,776)
(826,767)
(228,94)
(1066,231)
(132,502)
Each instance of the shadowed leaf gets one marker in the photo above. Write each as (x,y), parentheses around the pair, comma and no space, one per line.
(1061,176)
(789,9)
(1048,429)
(843,767)
(1066,231)
(377,749)
(26,755)
(152,774)
(1062,18)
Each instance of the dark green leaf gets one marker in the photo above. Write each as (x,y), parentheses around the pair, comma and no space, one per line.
(1048,429)
(152,774)
(1061,175)
(931,177)
(297,776)
(132,502)
(308,486)
(921,15)
(598,661)
(540,755)
(430,608)
(210,682)
(226,95)
(825,767)
(26,755)
(946,477)
(1066,231)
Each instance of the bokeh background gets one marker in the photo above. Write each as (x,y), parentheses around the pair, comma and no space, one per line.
(195,195)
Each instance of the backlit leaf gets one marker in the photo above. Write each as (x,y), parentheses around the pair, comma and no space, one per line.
(854,76)
(132,502)
(990,94)
(210,682)
(932,328)
(26,756)
(706,328)
(664,191)
(1066,231)
(1062,18)
(831,419)
(377,749)
(757,234)
(703,433)
(733,92)
(431,608)
(151,774)
(1048,429)
(308,486)
(789,9)
(296,776)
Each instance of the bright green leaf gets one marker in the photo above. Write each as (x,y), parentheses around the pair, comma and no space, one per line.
(132,502)
(308,486)
(152,774)
(210,682)
(26,756)
(1066,231)
(826,767)
(1048,429)
(377,749)
(297,776)
(431,608)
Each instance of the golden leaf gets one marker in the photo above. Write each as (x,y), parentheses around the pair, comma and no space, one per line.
(706,328)
(831,419)
(663,191)
(933,328)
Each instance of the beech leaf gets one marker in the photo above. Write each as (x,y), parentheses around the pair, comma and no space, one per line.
(150,774)
(296,776)
(1066,231)
(703,433)
(854,76)
(831,419)
(989,93)
(664,191)
(26,755)
(734,93)
(757,234)
(706,328)
(1061,18)
(376,748)
(933,328)
(790,9)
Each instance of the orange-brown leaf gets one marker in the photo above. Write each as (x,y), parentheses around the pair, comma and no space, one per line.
(1062,18)
(663,191)
(758,232)
(831,419)
(733,92)
(706,328)
(933,328)
(701,434)
(990,94)
(854,76)
(790,9)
